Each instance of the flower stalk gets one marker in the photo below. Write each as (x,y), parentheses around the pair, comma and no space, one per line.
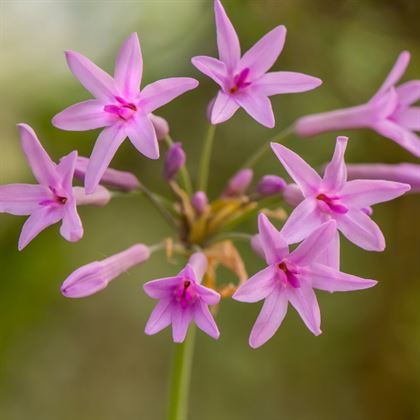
(205,158)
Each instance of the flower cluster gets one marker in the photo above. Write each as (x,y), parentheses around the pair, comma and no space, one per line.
(340,201)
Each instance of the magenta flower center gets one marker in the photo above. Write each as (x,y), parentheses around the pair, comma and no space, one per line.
(291,275)
(56,199)
(185,293)
(123,109)
(239,81)
(331,203)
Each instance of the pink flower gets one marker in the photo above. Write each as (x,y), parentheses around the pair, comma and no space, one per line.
(183,299)
(95,276)
(333,197)
(390,112)
(291,277)
(244,81)
(54,199)
(119,106)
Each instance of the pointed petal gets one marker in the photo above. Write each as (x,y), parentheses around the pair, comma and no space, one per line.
(405,138)
(366,192)
(396,72)
(314,245)
(209,296)
(38,221)
(129,66)
(161,288)
(270,318)
(261,57)
(86,115)
(142,134)
(43,168)
(223,108)
(71,228)
(335,174)
(205,321)
(331,280)
(227,39)
(22,199)
(305,176)
(303,220)
(273,243)
(409,92)
(159,93)
(409,118)
(160,317)
(360,229)
(258,287)
(331,255)
(304,301)
(278,82)
(181,319)
(99,83)
(257,106)
(65,170)
(198,262)
(211,67)
(104,150)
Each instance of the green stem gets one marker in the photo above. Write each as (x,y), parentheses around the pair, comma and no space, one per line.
(205,158)
(180,379)
(229,235)
(265,147)
(185,175)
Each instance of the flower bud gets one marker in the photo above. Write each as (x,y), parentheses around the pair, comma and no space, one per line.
(270,185)
(174,160)
(292,195)
(99,198)
(160,125)
(238,184)
(200,202)
(95,276)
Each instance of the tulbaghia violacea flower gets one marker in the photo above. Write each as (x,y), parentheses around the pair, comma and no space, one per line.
(390,112)
(95,276)
(122,180)
(333,197)
(239,183)
(291,277)
(119,106)
(183,299)
(270,185)
(174,160)
(244,81)
(409,173)
(54,199)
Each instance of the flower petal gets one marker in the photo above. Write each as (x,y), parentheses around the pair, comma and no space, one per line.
(331,255)
(104,150)
(43,168)
(22,199)
(304,301)
(181,319)
(71,228)
(159,93)
(335,174)
(261,57)
(129,66)
(205,321)
(273,243)
(257,106)
(278,82)
(66,169)
(160,317)
(258,287)
(314,245)
(409,118)
(360,229)
(38,221)
(161,288)
(270,318)
(409,92)
(305,176)
(198,262)
(227,39)
(366,192)
(223,108)
(211,67)
(99,83)
(209,296)
(331,280)
(86,115)
(142,134)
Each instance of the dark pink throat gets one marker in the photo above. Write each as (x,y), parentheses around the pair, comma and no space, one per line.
(123,109)
(56,199)
(291,275)
(185,293)
(239,81)
(332,203)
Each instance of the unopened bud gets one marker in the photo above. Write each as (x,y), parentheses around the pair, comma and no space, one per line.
(238,184)
(174,160)
(292,195)
(270,185)
(200,202)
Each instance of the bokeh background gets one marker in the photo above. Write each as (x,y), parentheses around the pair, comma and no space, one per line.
(88,359)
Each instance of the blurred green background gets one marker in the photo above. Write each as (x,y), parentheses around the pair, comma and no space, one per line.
(88,359)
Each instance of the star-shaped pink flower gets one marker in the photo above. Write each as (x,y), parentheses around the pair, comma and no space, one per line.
(390,112)
(119,106)
(244,81)
(333,197)
(291,277)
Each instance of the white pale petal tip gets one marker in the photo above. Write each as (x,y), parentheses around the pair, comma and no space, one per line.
(342,139)
(253,343)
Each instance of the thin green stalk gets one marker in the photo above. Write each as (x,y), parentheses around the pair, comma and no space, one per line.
(229,235)
(205,158)
(265,147)
(180,378)
(185,175)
